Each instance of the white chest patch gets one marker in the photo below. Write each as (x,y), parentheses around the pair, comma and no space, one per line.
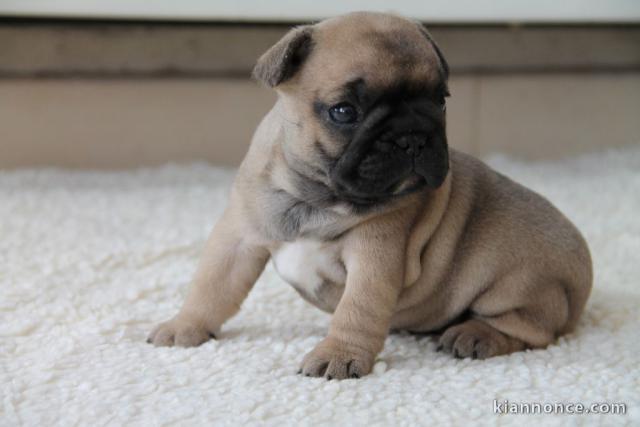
(308,264)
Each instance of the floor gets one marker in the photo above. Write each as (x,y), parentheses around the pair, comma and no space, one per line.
(93,260)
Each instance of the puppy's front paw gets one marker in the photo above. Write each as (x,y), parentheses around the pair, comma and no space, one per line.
(335,360)
(179,332)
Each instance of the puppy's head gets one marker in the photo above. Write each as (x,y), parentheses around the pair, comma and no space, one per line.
(363,100)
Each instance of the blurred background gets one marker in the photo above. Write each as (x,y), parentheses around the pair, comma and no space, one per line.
(127,83)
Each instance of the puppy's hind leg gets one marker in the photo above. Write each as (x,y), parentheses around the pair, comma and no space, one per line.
(476,339)
(502,325)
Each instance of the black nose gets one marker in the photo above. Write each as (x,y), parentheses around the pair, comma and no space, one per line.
(412,143)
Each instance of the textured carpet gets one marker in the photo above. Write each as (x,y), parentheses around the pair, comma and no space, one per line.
(91,261)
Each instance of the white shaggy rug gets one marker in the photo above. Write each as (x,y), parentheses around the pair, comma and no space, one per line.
(90,262)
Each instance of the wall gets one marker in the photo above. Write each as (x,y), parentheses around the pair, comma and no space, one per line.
(107,95)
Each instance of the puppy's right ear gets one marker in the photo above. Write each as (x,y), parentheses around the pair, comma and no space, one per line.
(284,58)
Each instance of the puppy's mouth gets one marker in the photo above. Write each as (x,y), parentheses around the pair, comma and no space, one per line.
(361,201)
(393,191)
(354,197)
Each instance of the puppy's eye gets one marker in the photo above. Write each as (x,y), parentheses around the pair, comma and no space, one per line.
(343,113)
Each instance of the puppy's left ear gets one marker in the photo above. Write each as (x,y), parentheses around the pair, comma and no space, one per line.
(283,59)
(444,66)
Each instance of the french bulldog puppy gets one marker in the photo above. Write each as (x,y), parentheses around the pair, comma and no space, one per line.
(350,188)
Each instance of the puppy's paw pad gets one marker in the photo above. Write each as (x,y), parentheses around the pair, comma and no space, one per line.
(333,360)
(180,333)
